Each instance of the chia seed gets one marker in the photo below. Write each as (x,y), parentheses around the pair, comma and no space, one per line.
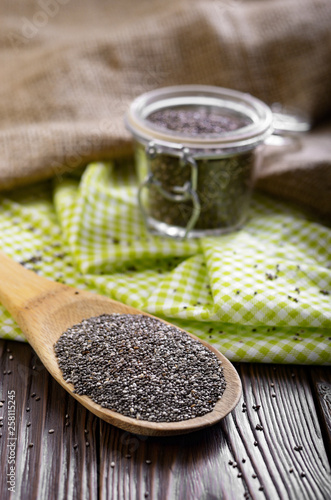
(224,179)
(224,187)
(202,122)
(140,367)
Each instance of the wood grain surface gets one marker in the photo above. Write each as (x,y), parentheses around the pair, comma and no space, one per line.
(273,445)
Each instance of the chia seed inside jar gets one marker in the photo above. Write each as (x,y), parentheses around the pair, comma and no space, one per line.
(198,122)
(196,149)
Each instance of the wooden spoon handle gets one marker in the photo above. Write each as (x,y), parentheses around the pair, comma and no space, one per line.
(18,286)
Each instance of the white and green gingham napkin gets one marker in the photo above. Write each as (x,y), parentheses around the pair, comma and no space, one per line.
(260,294)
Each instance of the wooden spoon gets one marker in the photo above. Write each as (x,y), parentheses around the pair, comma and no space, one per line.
(45,309)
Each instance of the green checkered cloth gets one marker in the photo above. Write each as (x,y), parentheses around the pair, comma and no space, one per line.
(260,294)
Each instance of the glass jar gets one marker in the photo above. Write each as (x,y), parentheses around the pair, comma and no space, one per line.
(197,148)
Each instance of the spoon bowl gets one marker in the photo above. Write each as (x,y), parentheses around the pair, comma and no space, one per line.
(45,309)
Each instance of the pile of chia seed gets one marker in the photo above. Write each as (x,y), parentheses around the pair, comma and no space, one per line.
(197,122)
(140,367)
(224,180)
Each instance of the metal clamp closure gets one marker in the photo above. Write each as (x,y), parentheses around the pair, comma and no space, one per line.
(179,193)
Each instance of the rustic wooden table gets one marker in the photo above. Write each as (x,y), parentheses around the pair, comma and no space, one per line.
(274,445)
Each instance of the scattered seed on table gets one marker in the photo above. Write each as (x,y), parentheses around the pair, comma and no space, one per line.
(51,431)
(239,474)
(140,367)
(11,357)
(38,398)
(259,427)
(28,409)
(112,464)
(8,372)
(290,471)
(148,462)
(298,447)
(75,446)
(30,445)
(33,395)
(303,474)
(87,443)
(1,404)
(28,424)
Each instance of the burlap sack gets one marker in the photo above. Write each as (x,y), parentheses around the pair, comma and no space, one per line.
(69,69)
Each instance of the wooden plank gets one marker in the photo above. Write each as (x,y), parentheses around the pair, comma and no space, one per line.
(192,466)
(321,382)
(233,459)
(281,439)
(48,465)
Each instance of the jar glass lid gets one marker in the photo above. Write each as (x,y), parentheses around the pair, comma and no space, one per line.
(199,116)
